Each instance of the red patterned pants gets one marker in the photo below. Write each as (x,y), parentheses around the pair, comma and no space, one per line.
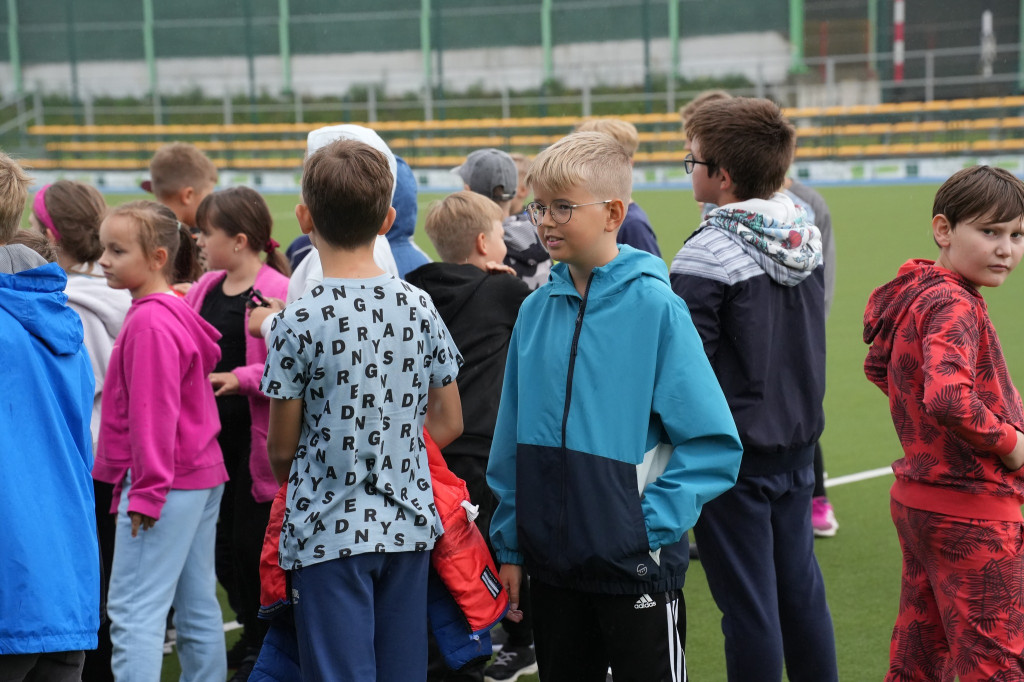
(962,599)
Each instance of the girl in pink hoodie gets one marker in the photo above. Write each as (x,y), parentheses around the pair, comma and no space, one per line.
(235,227)
(158,446)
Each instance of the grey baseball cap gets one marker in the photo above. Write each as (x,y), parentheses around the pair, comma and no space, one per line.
(486,169)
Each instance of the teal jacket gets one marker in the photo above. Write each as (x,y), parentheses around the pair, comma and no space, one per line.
(612,432)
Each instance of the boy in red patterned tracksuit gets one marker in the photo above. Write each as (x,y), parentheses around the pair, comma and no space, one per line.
(958,491)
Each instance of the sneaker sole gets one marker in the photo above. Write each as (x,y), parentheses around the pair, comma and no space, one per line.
(826,532)
(528,670)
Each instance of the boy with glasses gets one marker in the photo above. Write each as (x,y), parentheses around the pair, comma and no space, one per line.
(612,433)
(753,280)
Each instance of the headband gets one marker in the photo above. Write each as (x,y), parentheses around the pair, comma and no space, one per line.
(42,215)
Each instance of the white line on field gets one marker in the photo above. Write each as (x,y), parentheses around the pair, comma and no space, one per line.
(859,476)
(232,625)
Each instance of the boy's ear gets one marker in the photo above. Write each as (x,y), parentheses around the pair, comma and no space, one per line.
(186,195)
(724,179)
(616,214)
(480,244)
(942,230)
(389,220)
(304,218)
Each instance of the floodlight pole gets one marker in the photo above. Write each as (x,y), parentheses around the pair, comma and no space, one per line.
(148,44)
(796,36)
(428,60)
(1020,50)
(873,35)
(72,54)
(673,37)
(12,45)
(546,41)
(284,40)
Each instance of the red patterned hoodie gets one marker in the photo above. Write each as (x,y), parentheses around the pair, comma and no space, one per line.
(935,353)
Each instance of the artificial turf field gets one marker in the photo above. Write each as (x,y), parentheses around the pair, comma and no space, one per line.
(876,229)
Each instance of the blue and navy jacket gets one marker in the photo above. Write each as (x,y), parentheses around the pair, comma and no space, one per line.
(50,596)
(611,435)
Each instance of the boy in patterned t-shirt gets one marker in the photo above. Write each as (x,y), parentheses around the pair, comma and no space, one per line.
(959,485)
(356,368)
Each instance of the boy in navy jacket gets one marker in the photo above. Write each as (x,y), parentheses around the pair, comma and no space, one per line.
(753,280)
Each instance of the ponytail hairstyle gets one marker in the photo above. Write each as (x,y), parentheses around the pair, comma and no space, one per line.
(242,210)
(158,227)
(72,211)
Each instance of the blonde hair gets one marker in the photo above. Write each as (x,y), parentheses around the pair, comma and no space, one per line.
(454,223)
(686,111)
(179,165)
(591,161)
(14,182)
(623,131)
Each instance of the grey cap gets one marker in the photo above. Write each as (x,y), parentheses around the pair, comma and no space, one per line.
(486,169)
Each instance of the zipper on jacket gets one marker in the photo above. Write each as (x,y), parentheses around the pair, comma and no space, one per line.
(568,401)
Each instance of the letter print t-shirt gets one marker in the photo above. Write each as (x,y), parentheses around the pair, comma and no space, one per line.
(361,353)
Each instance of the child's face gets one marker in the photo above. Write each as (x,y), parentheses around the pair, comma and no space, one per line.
(219,249)
(584,239)
(981,251)
(705,187)
(125,265)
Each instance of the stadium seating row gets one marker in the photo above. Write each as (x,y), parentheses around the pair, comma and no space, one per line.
(906,128)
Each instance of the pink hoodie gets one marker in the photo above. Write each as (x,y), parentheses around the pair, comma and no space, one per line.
(271,283)
(159,418)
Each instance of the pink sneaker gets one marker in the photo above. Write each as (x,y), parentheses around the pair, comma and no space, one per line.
(823,519)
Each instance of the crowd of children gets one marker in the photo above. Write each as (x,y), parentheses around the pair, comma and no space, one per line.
(210,412)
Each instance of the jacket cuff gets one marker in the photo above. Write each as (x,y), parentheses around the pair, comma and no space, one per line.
(508,556)
(150,505)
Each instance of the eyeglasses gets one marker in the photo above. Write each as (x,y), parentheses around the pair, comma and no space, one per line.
(561,212)
(689,162)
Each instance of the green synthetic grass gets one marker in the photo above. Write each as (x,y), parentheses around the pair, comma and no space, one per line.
(876,230)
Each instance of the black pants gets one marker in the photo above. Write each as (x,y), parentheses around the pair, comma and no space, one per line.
(580,634)
(249,520)
(97,661)
(60,666)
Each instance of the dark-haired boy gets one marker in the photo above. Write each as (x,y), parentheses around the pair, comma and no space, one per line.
(956,502)
(356,368)
(753,280)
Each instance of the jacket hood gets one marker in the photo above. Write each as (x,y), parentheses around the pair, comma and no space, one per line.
(88,292)
(775,232)
(37,300)
(610,278)
(451,285)
(890,303)
(203,333)
(407,255)
(404,203)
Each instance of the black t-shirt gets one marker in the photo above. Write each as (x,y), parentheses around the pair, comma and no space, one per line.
(227,315)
